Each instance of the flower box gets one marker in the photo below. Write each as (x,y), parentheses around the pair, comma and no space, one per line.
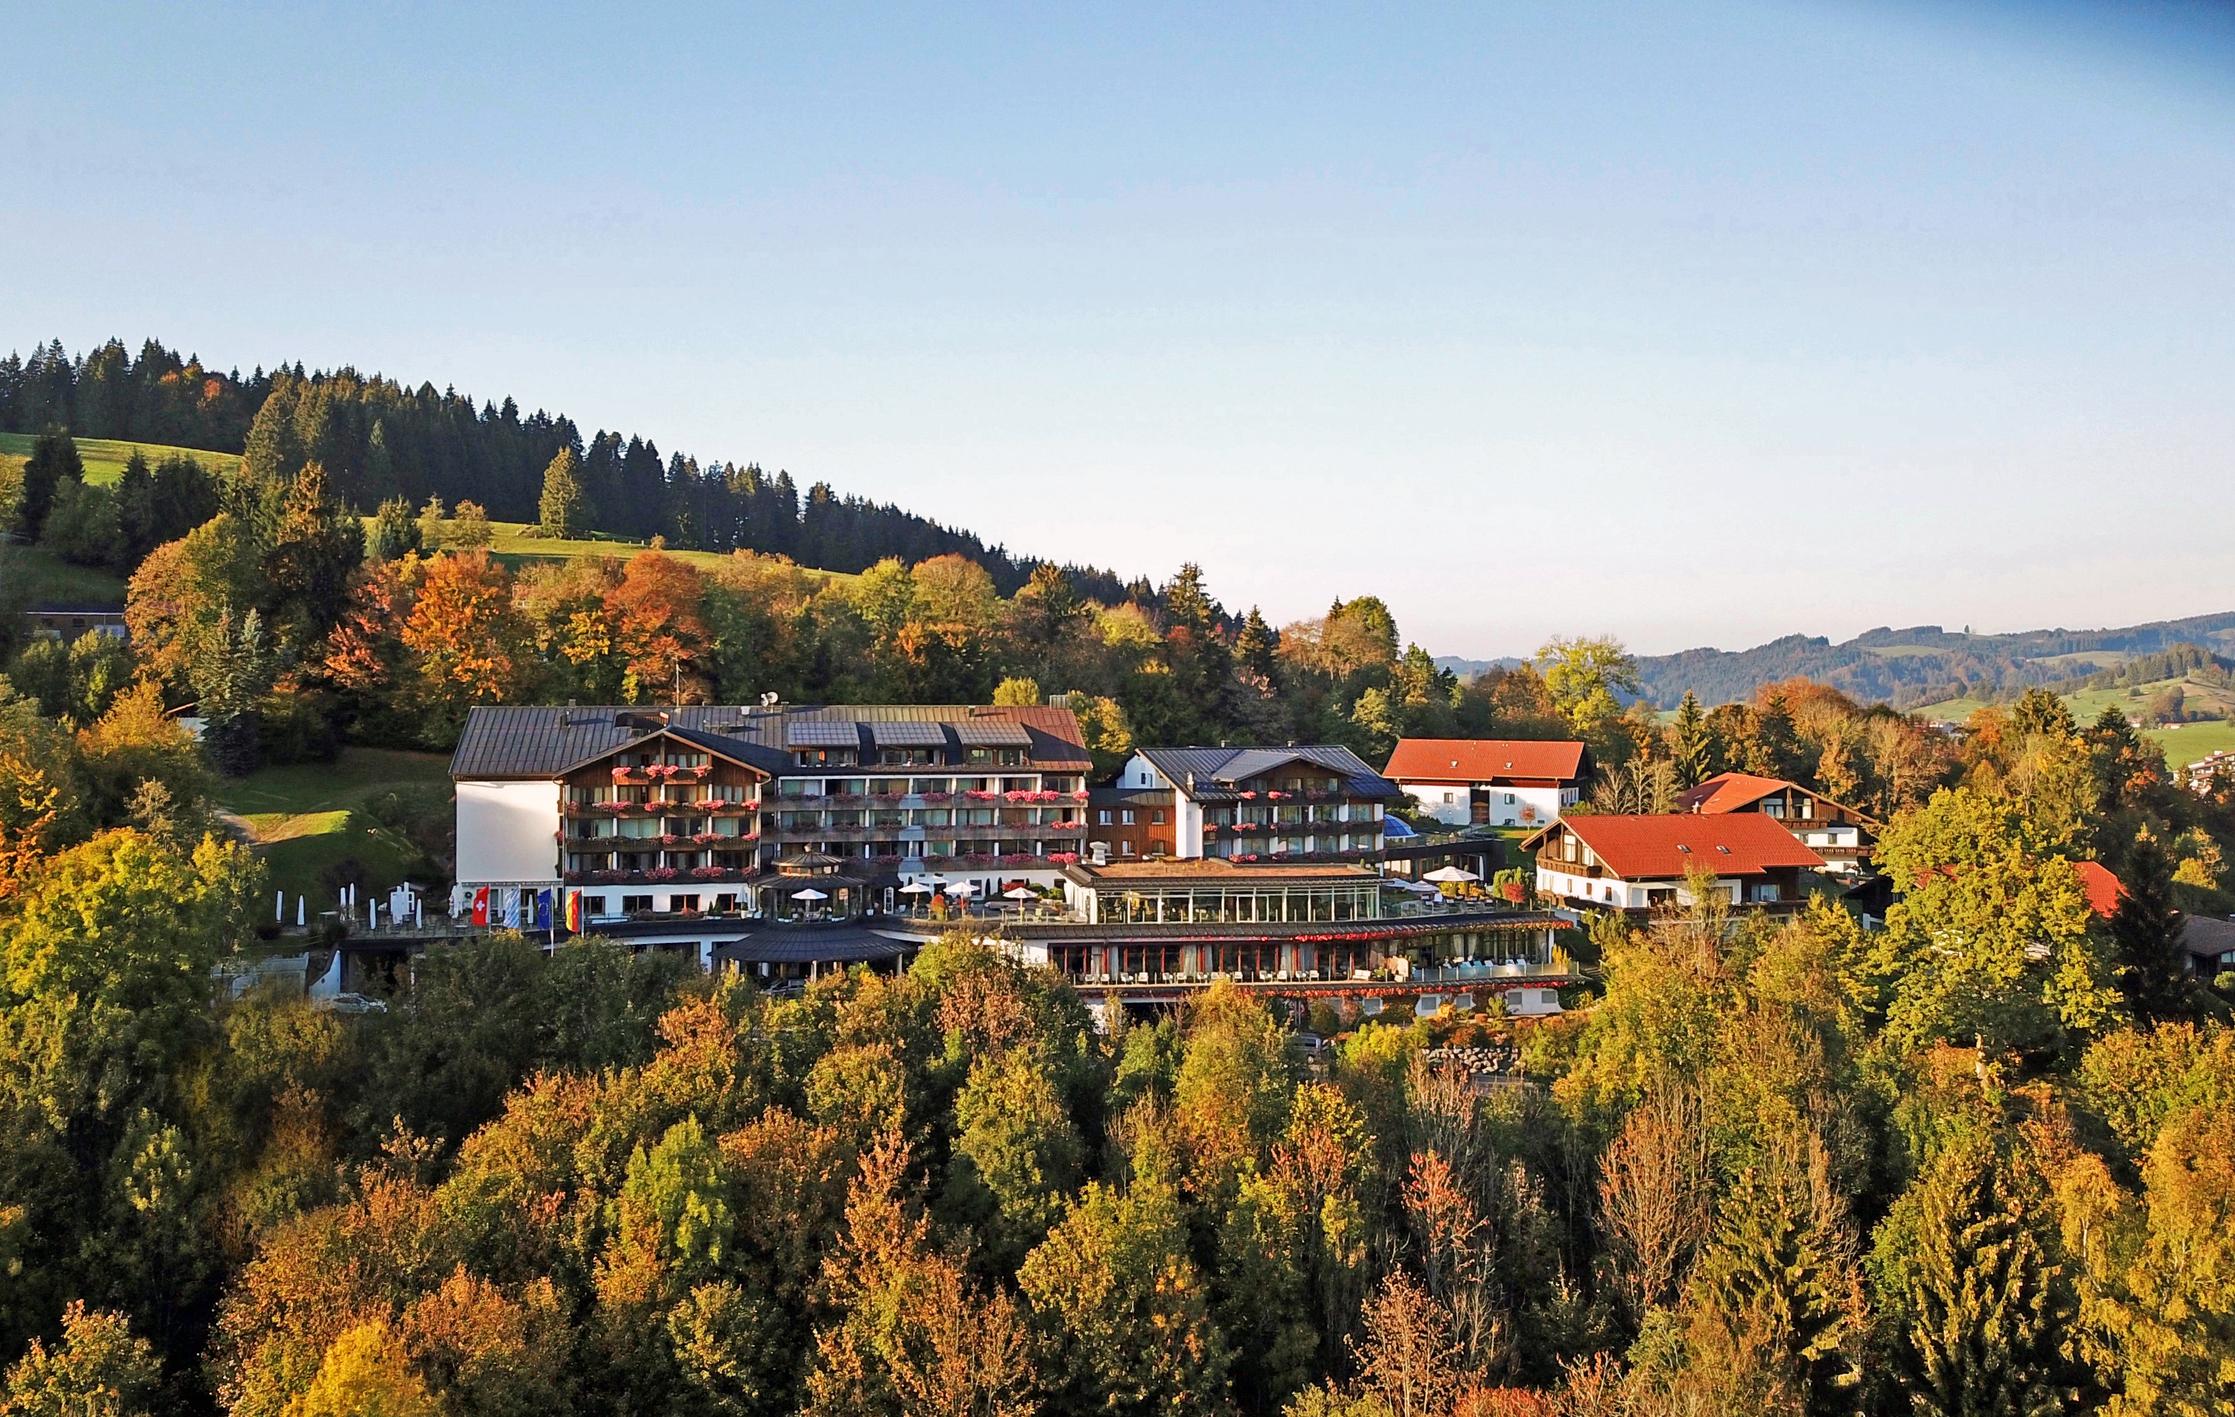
(662,873)
(1064,858)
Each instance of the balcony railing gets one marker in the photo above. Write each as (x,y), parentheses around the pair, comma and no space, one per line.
(713,806)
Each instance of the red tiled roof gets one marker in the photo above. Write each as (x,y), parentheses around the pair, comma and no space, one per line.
(1484,759)
(2105,890)
(1667,847)
(1729,791)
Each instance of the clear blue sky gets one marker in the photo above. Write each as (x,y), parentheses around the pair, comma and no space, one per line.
(1693,323)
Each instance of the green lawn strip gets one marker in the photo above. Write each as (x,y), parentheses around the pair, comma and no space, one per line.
(104,458)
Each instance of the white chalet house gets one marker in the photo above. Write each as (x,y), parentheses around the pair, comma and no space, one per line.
(1634,863)
(1490,782)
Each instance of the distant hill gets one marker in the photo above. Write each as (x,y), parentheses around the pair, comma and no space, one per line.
(1924,664)
(1469,668)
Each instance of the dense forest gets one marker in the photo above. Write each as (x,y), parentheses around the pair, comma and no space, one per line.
(1929,663)
(377,439)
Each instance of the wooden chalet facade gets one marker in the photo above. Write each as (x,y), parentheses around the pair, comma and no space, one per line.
(1841,835)
(1635,864)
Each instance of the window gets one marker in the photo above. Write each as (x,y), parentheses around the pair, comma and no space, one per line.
(1509,799)
(1450,799)
(1125,847)
(635,902)
(1125,816)
(1102,818)
(1158,818)
(1805,807)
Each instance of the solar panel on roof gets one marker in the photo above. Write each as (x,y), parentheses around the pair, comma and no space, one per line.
(992,733)
(907,735)
(821,733)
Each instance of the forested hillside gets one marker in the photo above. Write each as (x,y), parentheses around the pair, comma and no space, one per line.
(1923,664)
(377,439)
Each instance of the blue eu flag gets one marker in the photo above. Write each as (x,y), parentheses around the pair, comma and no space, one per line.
(543,910)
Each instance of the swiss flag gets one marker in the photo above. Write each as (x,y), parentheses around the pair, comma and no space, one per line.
(481,905)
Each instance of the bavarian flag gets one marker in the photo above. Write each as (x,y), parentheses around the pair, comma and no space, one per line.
(574,912)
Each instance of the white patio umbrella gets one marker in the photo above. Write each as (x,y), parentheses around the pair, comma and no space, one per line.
(809,894)
(1021,893)
(917,888)
(962,888)
(1450,873)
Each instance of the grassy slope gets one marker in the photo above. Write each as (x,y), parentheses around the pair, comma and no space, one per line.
(104,458)
(50,583)
(515,547)
(2191,741)
(2183,745)
(306,818)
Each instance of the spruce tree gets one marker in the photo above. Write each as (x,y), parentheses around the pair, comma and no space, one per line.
(564,510)
(1773,749)
(394,533)
(135,509)
(1777,1305)
(53,461)
(2146,932)
(273,450)
(1692,743)
(1257,648)
(1984,1314)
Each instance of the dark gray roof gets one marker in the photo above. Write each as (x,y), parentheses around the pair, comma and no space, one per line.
(992,733)
(821,733)
(831,945)
(529,741)
(908,735)
(1215,771)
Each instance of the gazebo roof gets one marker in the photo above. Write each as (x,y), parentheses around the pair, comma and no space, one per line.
(807,862)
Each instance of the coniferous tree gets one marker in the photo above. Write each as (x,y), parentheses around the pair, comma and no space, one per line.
(2146,932)
(1778,1294)
(274,450)
(1256,647)
(1691,743)
(394,532)
(1773,748)
(564,510)
(135,510)
(1984,1316)
(53,461)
